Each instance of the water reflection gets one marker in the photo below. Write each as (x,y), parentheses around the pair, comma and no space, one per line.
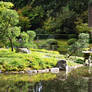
(65,86)
(45,83)
(38,87)
(23,83)
(90,85)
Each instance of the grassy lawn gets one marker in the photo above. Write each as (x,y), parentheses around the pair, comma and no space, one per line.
(37,59)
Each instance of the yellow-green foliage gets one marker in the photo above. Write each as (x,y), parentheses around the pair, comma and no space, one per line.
(20,61)
(45,51)
(11,61)
(33,78)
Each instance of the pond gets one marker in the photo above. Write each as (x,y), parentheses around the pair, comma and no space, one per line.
(78,80)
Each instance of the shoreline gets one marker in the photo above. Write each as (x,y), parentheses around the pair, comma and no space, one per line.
(50,70)
(31,72)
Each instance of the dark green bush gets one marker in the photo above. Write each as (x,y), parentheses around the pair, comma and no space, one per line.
(80,61)
(53,44)
(51,41)
(62,47)
(72,36)
(50,44)
(31,45)
(31,34)
(71,41)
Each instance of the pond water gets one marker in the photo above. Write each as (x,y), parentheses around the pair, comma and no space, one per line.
(75,82)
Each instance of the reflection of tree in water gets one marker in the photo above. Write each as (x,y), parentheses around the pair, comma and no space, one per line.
(23,83)
(71,85)
(38,87)
(90,85)
(19,86)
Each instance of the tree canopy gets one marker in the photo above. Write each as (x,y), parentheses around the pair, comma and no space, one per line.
(51,16)
(8,23)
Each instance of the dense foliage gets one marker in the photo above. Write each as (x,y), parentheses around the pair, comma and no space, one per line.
(8,23)
(51,16)
(78,46)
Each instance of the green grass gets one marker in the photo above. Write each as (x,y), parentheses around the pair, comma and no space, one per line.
(37,59)
(11,61)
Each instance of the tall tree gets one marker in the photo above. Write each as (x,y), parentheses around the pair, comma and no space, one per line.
(8,23)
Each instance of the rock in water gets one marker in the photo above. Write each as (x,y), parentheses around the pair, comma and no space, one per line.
(61,64)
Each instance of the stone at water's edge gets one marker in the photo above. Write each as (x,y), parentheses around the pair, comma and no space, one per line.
(21,72)
(43,71)
(47,70)
(31,71)
(61,64)
(54,70)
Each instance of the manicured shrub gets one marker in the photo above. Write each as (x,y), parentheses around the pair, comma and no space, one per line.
(52,44)
(70,36)
(80,61)
(49,44)
(51,41)
(30,45)
(77,47)
(71,41)
(62,47)
(31,34)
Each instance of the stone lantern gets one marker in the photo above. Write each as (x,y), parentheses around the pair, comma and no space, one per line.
(87,56)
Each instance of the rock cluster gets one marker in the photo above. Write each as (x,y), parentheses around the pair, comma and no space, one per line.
(52,70)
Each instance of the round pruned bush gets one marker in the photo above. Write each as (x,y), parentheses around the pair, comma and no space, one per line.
(71,41)
(31,34)
(51,41)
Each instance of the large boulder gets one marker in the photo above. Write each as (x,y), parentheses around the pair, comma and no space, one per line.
(23,50)
(61,64)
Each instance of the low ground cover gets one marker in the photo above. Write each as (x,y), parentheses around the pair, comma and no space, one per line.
(12,61)
(82,72)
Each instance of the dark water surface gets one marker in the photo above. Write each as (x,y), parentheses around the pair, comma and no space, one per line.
(44,83)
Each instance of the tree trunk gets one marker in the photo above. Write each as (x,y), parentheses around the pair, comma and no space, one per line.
(11,44)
